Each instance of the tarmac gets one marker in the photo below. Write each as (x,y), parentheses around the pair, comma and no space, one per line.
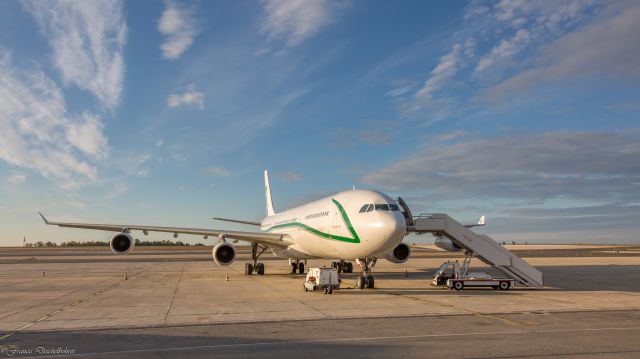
(174,303)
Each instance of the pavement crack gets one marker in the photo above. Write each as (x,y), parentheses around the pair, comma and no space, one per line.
(175,291)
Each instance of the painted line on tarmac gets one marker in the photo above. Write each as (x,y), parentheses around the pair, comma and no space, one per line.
(342,340)
(79,301)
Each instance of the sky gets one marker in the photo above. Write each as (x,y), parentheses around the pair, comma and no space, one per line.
(167,112)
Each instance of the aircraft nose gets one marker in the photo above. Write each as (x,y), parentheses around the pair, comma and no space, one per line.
(394,228)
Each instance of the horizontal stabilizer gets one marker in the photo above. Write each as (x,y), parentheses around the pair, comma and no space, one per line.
(236,221)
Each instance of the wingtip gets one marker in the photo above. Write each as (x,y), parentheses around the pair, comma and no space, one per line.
(43,218)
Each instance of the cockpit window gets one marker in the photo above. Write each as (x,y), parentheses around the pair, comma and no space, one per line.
(370,207)
(382,207)
(364,208)
(394,207)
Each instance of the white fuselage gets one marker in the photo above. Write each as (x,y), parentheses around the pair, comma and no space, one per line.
(336,227)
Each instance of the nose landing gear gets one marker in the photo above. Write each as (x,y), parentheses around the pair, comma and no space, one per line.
(343,266)
(365,279)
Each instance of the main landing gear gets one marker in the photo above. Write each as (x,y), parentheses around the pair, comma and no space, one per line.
(343,266)
(297,266)
(256,267)
(365,279)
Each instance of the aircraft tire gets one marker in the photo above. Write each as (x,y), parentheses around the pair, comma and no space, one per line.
(301,268)
(260,269)
(248,269)
(370,282)
(360,282)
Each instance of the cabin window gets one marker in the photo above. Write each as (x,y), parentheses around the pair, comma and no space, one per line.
(382,207)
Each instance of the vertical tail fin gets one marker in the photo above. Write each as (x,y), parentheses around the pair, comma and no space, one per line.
(267,190)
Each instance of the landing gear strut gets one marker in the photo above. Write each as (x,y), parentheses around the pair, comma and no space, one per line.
(365,279)
(297,266)
(343,266)
(256,267)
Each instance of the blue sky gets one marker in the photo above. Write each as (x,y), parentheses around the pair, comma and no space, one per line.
(166,113)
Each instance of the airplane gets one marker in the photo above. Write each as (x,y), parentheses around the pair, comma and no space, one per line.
(361,225)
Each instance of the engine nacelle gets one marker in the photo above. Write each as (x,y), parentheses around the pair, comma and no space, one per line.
(399,254)
(446,244)
(122,243)
(223,254)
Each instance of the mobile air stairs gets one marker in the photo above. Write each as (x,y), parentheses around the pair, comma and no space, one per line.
(480,246)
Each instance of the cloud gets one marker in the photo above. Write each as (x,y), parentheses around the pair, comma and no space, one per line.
(289,176)
(609,47)
(454,135)
(505,50)
(159,143)
(178,25)
(582,165)
(425,98)
(87,136)
(16,178)
(188,97)
(38,133)
(218,171)
(142,173)
(87,39)
(499,39)
(297,20)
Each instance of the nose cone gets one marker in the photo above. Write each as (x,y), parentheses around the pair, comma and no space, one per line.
(390,232)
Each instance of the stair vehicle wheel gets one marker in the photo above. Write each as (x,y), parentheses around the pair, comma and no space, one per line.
(301,268)
(260,269)
(248,269)
(458,285)
(360,282)
(370,282)
(305,288)
(504,285)
(326,290)
(294,268)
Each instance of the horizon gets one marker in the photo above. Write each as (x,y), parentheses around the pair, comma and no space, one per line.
(166,113)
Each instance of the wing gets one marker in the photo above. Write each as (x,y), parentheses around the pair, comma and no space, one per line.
(271,239)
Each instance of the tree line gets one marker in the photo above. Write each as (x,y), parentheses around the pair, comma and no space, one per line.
(161,243)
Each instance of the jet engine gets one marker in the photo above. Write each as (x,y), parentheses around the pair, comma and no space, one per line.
(223,254)
(446,244)
(122,243)
(399,254)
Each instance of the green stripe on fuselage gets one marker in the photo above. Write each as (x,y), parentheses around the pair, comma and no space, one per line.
(345,217)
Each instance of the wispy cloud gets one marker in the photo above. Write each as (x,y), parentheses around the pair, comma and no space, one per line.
(186,97)
(16,178)
(606,48)
(289,176)
(534,167)
(87,39)
(297,20)
(218,171)
(179,26)
(37,132)
(504,39)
